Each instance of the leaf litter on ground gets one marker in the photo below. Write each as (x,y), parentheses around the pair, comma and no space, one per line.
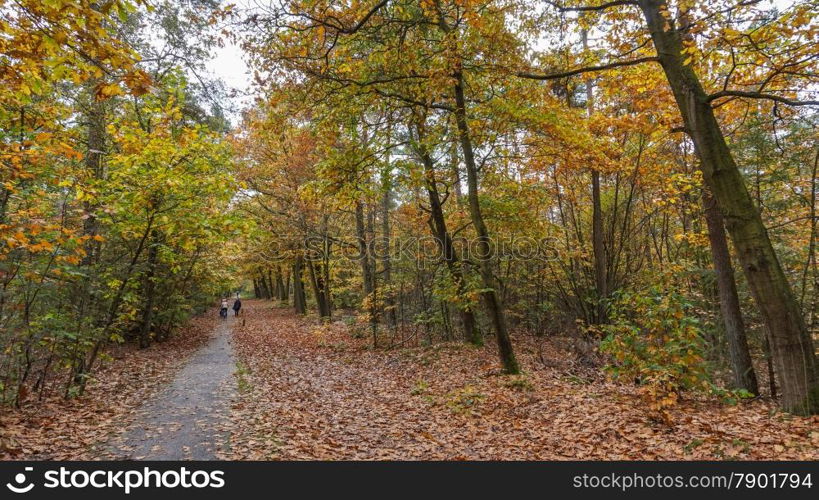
(318,392)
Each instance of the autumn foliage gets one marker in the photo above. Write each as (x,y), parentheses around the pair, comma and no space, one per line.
(498,126)
(113,196)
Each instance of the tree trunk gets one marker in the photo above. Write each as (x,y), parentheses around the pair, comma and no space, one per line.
(150,289)
(743,369)
(363,251)
(490,293)
(791,346)
(280,286)
(367,275)
(317,282)
(276,284)
(299,302)
(386,262)
(444,239)
(95,146)
(84,366)
(328,296)
(810,259)
(264,286)
(600,269)
(96,143)
(598,245)
(271,285)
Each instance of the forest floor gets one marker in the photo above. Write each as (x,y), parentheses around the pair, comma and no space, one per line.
(314,391)
(290,388)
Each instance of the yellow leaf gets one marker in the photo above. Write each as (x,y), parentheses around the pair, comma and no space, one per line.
(106,91)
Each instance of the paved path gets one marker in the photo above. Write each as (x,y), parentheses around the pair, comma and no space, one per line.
(183,421)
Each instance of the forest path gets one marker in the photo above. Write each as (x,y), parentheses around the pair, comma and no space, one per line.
(184,421)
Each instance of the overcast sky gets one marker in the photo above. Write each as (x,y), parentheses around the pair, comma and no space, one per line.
(230,66)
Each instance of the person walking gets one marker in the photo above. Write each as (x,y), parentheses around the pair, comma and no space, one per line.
(223,308)
(237,306)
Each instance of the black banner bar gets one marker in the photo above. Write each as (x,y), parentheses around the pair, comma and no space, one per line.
(454,480)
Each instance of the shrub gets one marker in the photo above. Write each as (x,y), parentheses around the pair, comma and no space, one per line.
(655,341)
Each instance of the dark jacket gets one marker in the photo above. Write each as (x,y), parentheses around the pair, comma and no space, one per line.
(237,305)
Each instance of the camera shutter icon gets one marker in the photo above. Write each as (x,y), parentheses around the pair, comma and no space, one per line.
(20,479)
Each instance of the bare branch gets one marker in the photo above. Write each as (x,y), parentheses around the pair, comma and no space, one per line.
(591,8)
(760,95)
(366,17)
(336,24)
(587,69)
